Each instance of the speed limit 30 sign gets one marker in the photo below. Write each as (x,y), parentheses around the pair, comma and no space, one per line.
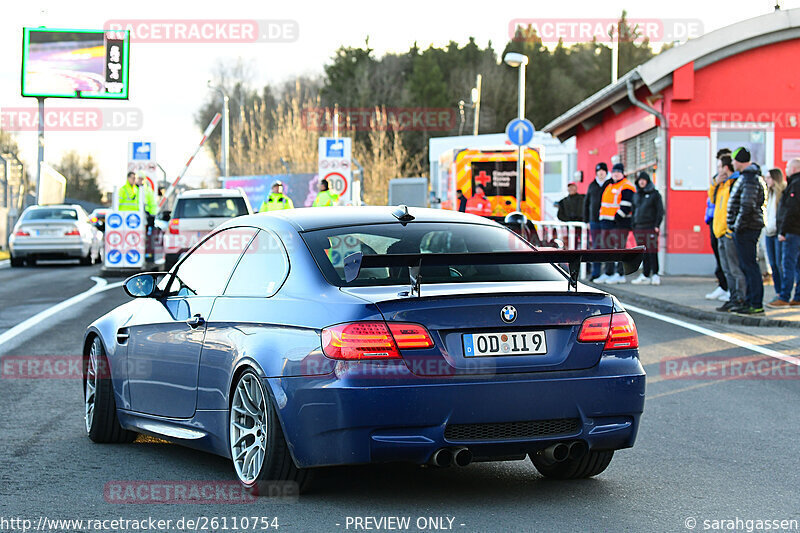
(337,183)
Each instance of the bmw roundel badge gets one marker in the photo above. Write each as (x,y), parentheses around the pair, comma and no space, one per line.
(508,314)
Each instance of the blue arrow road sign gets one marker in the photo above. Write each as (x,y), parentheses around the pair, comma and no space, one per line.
(132,256)
(114,256)
(520,131)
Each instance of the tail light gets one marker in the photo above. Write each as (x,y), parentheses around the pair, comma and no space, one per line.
(595,329)
(410,336)
(21,233)
(623,333)
(373,340)
(173,226)
(617,330)
(72,233)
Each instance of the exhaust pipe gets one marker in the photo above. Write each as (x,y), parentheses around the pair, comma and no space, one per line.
(577,449)
(442,457)
(462,456)
(556,453)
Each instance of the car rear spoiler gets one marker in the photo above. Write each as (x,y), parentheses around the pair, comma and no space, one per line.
(630,258)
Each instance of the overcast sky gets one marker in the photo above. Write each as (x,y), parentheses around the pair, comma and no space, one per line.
(168,81)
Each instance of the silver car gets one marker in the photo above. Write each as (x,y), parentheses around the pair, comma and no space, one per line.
(55,232)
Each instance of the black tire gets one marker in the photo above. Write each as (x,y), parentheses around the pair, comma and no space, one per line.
(104,426)
(17,261)
(591,464)
(31,261)
(277,467)
(87,259)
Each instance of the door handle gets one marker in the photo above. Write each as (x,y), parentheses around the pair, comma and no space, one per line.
(196,321)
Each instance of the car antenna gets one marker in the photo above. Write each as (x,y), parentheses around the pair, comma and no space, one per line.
(402,214)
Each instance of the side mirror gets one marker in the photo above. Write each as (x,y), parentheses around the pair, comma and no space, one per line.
(165,215)
(143,285)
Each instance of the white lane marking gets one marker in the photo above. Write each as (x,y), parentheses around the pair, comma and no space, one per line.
(100,286)
(710,333)
(5,263)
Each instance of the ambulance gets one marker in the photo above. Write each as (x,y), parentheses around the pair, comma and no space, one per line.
(496,171)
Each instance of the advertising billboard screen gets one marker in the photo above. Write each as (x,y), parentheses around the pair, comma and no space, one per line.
(58,63)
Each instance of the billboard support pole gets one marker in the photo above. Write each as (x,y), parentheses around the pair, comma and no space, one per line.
(40,156)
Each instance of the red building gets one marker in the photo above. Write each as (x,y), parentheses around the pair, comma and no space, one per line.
(737,86)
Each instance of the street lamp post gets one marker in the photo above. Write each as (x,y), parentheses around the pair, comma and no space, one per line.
(476,102)
(226,132)
(513,59)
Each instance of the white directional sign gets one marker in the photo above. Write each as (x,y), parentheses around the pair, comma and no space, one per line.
(125,239)
(335,166)
(142,157)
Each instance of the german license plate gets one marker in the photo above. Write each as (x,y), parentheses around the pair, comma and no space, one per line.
(505,343)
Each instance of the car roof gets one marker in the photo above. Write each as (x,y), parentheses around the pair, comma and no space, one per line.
(54,206)
(210,193)
(314,218)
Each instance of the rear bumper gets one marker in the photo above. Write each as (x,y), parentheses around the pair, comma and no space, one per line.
(333,420)
(49,250)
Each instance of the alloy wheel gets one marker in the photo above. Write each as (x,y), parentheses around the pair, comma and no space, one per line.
(248,428)
(90,390)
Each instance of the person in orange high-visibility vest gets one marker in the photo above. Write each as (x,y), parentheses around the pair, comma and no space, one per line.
(479,204)
(616,208)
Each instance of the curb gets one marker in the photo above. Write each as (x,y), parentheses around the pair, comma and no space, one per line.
(691,312)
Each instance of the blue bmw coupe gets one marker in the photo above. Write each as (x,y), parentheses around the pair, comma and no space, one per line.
(335,336)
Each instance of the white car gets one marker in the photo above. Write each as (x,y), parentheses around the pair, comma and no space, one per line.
(196,213)
(55,232)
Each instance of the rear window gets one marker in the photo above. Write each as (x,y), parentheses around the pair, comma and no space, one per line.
(210,208)
(330,246)
(50,214)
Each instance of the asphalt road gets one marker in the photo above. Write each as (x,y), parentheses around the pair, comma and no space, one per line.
(709,449)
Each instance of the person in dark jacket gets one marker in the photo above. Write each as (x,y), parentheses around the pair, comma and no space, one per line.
(789,237)
(648,212)
(591,211)
(462,201)
(570,208)
(746,220)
